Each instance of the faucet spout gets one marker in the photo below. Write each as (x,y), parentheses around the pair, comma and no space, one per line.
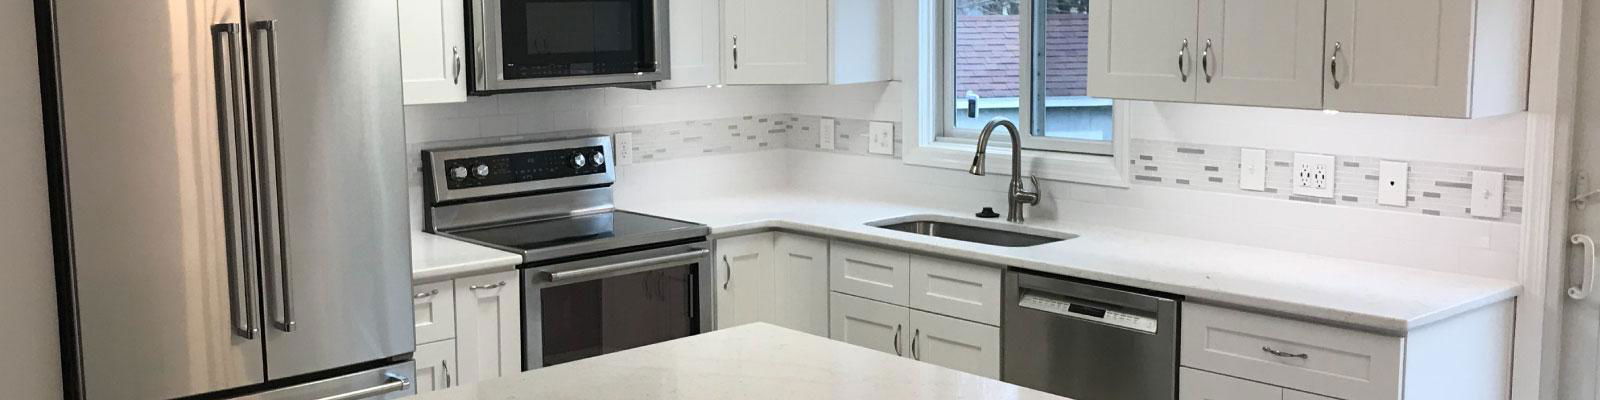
(1017,196)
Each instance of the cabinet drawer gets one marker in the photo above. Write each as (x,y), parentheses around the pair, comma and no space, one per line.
(1194,384)
(1299,355)
(957,289)
(869,272)
(433,308)
(952,343)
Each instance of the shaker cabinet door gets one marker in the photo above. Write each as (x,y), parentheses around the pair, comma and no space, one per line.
(867,323)
(1195,384)
(744,289)
(956,344)
(436,366)
(433,45)
(1261,53)
(489,326)
(800,291)
(1409,57)
(775,41)
(434,311)
(1143,49)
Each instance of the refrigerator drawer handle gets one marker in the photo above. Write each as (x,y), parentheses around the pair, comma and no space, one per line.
(393,384)
(647,264)
(275,255)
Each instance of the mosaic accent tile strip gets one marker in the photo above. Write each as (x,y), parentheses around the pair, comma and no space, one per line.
(1439,189)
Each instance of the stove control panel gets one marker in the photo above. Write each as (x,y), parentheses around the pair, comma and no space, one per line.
(534,166)
(515,168)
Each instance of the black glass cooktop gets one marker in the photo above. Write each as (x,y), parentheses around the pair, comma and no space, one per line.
(583,233)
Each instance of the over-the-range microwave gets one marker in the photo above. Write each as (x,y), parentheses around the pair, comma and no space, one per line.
(524,45)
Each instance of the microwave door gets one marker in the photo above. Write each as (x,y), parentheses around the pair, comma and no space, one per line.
(556,43)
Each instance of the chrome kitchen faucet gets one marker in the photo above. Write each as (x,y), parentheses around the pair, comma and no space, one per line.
(1016,196)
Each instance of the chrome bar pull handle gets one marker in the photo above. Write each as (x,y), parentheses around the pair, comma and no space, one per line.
(455,52)
(426,294)
(1183,53)
(1285,354)
(727,266)
(897,340)
(393,383)
(269,129)
(225,46)
(1585,287)
(495,285)
(735,51)
(1205,61)
(1333,64)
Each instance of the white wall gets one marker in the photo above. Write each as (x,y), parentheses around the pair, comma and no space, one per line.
(27,293)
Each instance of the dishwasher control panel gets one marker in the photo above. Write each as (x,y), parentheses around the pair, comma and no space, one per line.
(1087,312)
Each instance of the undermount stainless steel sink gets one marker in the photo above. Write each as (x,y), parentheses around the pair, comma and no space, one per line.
(996,234)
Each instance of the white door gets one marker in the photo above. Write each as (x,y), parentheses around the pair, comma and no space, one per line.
(1195,384)
(867,323)
(956,344)
(744,290)
(1580,343)
(1261,52)
(1410,57)
(696,35)
(775,41)
(800,274)
(1143,49)
(433,45)
(433,307)
(956,289)
(436,366)
(869,272)
(489,326)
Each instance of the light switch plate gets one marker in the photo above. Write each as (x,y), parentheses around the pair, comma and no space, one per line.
(825,134)
(1392,183)
(1488,194)
(623,147)
(880,138)
(1314,175)
(1253,169)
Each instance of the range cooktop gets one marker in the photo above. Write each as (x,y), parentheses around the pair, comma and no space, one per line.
(605,231)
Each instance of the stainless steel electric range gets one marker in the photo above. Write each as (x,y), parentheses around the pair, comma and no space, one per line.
(596,280)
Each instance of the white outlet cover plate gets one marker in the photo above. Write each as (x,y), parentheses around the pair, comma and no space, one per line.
(1314,175)
(825,134)
(880,138)
(1253,169)
(624,148)
(1488,194)
(1392,183)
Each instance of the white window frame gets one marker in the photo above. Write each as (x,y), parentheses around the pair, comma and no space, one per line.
(923,73)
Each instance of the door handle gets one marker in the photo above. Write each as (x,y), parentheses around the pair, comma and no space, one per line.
(1205,61)
(455,52)
(897,340)
(735,51)
(1587,285)
(446,366)
(276,253)
(238,220)
(1183,53)
(915,354)
(1333,64)
(728,266)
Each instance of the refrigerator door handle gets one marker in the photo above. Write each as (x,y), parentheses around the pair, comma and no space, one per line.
(235,177)
(393,383)
(269,152)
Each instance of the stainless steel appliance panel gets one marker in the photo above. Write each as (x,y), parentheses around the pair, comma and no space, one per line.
(488,54)
(390,382)
(337,263)
(1087,341)
(152,110)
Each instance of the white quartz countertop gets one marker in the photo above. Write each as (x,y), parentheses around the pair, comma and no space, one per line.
(436,258)
(756,361)
(1363,295)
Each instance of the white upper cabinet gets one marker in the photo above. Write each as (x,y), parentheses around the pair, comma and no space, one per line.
(1438,58)
(806,41)
(696,48)
(433,45)
(1260,53)
(1445,58)
(1143,49)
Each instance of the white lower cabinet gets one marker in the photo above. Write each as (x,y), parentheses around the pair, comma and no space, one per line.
(948,342)
(433,307)
(961,345)
(1195,384)
(773,277)
(488,326)
(955,288)
(436,366)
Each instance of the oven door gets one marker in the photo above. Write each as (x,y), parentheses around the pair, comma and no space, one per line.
(584,308)
(523,45)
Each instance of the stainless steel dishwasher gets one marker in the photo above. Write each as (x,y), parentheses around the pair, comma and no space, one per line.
(1088,341)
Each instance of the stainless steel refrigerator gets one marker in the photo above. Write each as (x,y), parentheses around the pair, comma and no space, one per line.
(229,197)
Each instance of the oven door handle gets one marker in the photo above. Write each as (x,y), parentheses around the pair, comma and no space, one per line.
(648,264)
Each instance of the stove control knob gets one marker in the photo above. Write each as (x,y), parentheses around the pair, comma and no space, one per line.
(578,161)
(599,158)
(481,170)
(458,173)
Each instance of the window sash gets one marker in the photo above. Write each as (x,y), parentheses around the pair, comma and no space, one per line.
(1030,111)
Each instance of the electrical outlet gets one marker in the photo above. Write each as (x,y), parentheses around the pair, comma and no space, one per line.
(1253,169)
(825,135)
(1314,175)
(623,142)
(880,138)
(1392,179)
(1488,194)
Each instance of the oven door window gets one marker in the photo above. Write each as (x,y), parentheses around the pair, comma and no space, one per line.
(555,38)
(587,319)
